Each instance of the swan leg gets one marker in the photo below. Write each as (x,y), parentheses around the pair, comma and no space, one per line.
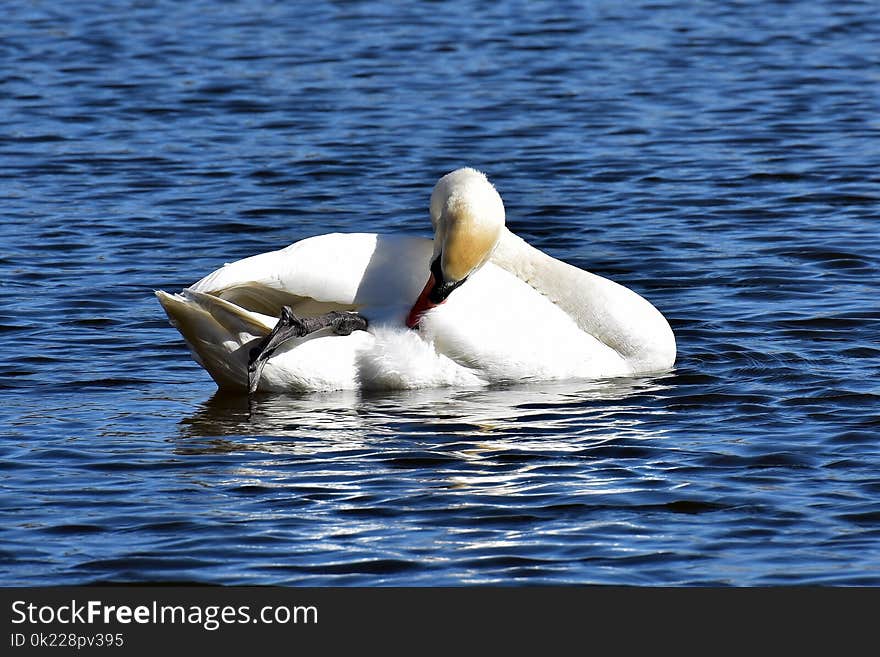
(290,326)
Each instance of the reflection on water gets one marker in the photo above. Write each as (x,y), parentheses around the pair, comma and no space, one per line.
(497,441)
(556,415)
(461,473)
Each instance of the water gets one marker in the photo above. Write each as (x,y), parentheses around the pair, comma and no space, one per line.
(721,159)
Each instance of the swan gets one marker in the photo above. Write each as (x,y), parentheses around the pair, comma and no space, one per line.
(354,310)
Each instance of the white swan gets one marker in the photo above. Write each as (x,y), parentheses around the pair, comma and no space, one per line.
(494,309)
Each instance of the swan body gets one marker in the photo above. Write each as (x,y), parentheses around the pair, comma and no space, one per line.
(495,309)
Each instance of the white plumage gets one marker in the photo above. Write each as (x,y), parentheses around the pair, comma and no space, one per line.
(520,316)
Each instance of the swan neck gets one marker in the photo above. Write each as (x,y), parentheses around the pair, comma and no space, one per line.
(610,312)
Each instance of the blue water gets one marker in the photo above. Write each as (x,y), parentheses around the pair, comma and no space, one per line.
(722,159)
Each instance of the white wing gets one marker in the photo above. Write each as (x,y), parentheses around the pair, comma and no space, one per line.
(350,271)
(222,316)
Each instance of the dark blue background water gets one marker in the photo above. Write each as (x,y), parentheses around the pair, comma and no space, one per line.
(722,159)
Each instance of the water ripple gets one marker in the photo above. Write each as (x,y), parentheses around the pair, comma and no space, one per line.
(720,159)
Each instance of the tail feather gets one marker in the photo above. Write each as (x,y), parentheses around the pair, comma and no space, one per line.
(219,334)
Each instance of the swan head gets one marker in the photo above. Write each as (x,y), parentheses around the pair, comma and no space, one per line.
(468,216)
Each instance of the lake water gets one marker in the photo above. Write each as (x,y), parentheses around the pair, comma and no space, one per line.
(722,159)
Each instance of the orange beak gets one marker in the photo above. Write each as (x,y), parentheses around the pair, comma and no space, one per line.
(422,305)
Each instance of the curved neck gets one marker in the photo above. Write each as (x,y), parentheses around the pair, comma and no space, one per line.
(613,314)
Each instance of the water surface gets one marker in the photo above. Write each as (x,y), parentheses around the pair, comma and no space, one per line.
(721,159)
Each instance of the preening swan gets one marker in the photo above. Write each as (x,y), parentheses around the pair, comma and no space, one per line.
(344,311)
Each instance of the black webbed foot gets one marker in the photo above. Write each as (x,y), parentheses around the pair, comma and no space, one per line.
(288,327)
(345,323)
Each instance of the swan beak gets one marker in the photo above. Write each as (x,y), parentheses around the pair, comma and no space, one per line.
(423,304)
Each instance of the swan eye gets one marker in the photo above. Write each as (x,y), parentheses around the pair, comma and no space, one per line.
(442,287)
